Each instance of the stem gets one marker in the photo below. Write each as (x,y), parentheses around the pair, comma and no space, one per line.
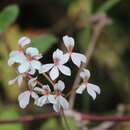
(91,49)
(28,119)
(48,78)
(65,120)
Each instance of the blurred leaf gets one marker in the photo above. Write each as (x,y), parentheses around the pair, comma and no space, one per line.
(7,17)
(107,5)
(51,124)
(10,114)
(43,43)
(82,7)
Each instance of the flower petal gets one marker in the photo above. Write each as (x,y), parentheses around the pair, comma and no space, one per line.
(41,101)
(35,64)
(14,53)
(46,87)
(23,99)
(65,70)
(19,58)
(64,103)
(56,107)
(91,92)
(78,58)
(58,54)
(34,95)
(38,89)
(94,87)
(68,41)
(60,85)
(20,80)
(12,81)
(85,74)
(32,82)
(65,58)
(45,68)
(52,99)
(23,41)
(54,73)
(32,51)
(24,67)
(80,89)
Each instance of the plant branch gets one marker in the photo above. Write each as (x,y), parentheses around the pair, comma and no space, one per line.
(102,21)
(73,114)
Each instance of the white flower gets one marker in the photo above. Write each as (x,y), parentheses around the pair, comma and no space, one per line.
(32,82)
(91,88)
(29,62)
(47,96)
(77,58)
(19,79)
(23,41)
(58,65)
(16,57)
(24,98)
(61,101)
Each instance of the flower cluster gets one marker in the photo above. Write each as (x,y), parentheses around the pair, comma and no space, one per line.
(27,63)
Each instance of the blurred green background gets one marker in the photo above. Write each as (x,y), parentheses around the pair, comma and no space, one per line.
(46,21)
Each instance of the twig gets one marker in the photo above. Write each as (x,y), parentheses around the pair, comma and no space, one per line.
(91,49)
(47,77)
(82,116)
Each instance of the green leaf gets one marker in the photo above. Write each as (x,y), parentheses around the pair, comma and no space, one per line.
(107,5)
(10,114)
(43,43)
(7,17)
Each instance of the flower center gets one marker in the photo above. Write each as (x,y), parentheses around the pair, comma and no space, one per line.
(56,61)
(58,93)
(46,92)
(29,58)
(85,83)
(21,50)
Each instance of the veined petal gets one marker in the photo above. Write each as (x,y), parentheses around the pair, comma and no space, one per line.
(80,89)
(52,99)
(65,58)
(65,70)
(85,74)
(23,99)
(20,80)
(31,71)
(34,95)
(58,54)
(23,41)
(64,103)
(56,107)
(41,101)
(32,51)
(23,67)
(39,56)
(19,58)
(35,64)
(45,68)
(46,87)
(78,58)
(14,53)
(68,41)
(91,92)
(54,73)
(12,81)
(60,85)
(32,82)
(38,89)
(94,88)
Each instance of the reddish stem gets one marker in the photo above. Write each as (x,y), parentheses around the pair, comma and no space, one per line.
(50,115)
